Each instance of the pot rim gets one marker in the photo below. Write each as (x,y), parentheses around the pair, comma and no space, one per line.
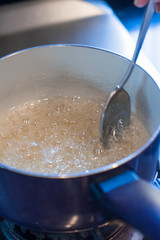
(96,170)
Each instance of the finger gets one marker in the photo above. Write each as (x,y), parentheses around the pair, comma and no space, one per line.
(158,7)
(140,3)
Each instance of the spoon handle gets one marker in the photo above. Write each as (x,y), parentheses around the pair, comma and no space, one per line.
(143,30)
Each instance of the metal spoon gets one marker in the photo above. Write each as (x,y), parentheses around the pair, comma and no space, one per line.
(117,110)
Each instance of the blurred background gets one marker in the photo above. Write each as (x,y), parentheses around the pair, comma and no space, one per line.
(111,24)
(131,17)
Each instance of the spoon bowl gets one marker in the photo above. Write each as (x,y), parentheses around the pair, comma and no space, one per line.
(116,115)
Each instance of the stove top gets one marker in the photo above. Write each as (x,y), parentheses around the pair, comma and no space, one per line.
(11,231)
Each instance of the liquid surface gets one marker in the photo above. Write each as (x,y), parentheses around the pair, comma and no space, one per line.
(62,135)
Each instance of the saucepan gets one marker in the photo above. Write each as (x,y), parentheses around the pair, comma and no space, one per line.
(83,200)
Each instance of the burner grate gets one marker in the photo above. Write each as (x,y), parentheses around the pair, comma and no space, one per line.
(11,231)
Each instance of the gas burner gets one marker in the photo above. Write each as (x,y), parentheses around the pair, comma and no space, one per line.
(11,231)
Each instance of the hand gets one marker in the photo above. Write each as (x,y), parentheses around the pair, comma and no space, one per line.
(142,3)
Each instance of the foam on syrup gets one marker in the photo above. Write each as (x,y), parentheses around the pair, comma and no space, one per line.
(62,135)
